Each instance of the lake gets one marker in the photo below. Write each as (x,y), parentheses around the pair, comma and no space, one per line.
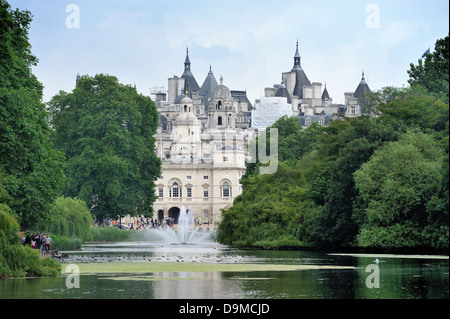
(148,270)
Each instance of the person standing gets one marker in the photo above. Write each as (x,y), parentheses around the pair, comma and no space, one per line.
(48,242)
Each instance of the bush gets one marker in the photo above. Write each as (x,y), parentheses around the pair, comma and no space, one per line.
(109,234)
(69,217)
(17,260)
(65,243)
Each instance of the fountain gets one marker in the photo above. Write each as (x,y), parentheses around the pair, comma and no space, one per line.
(185,235)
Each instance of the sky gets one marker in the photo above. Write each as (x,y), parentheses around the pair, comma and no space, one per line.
(247,42)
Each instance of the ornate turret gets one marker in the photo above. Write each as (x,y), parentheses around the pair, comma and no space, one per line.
(208,87)
(190,84)
(325,95)
(297,58)
(300,77)
(362,88)
(283,92)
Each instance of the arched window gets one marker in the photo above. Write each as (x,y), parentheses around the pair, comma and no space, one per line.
(219,105)
(185,108)
(219,120)
(225,190)
(175,190)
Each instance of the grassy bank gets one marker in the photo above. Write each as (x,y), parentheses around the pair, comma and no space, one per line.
(151,267)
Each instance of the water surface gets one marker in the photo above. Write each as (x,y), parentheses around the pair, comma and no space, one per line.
(400,276)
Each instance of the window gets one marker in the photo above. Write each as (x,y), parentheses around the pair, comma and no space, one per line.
(161,192)
(225,159)
(205,214)
(175,190)
(188,177)
(205,192)
(189,192)
(219,120)
(205,177)
(225,190)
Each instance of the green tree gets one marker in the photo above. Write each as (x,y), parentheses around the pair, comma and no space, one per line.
(293,142)
(415,107)
(15,258)
(432,72)
(268,213)
(33,170)
(341,151)
(399,193)
(106,131)
(69,217)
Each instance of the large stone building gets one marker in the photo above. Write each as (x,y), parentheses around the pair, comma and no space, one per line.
(204,132)
(201,140)
(297,96)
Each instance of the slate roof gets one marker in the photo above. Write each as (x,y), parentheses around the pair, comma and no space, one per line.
(327,118)
(190,84)
(208,87)
(325,95)
(241,96)
(362,88)
(283,92)
(300,77)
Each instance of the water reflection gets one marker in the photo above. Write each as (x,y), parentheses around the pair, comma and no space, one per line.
(404,278)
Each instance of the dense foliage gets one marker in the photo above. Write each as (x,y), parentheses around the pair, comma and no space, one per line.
(373,182)
(106,131)
(432,73)
(33,171)
(16,259)
(69,217)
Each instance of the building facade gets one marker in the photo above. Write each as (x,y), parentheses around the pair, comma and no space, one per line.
(310,101)
(204,132)
(202,139)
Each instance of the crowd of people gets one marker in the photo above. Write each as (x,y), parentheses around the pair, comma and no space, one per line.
(149,223)
(40,241)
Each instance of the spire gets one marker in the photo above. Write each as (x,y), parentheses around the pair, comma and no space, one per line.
(189,80)
(221,80)
(362,88)
(78,79)
(187,62)
(297,58)
(325,95)
(363,79)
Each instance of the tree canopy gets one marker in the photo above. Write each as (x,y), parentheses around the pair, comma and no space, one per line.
(432,71)
(33,171)
(378,181)
(106,131)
